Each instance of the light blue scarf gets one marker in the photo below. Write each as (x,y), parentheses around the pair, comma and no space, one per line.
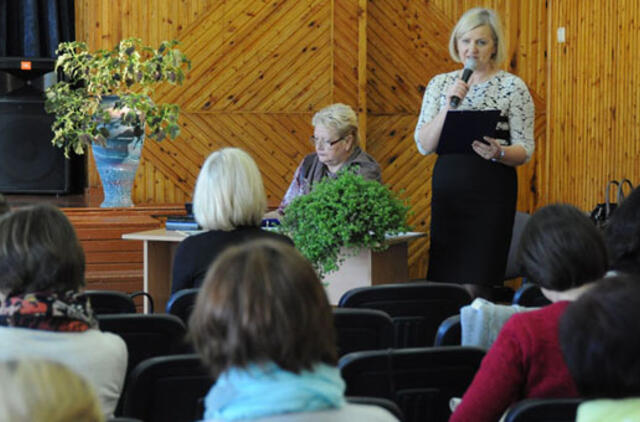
(265,390)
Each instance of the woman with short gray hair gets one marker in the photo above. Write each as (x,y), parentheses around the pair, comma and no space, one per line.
(336,141)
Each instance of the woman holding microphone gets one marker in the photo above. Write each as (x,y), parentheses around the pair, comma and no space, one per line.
(474,195)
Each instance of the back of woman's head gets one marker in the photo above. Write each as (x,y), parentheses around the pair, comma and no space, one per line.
(600,338)
(622,235)
(39,251)
(43,391)
(561,248)
(262,302)
(229,191)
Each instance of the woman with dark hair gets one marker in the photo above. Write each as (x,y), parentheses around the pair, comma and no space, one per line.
(562,251)
(600,339)
(622,236)
(263,326)
(43,313)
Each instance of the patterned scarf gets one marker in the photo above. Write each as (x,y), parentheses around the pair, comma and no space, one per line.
(69,311)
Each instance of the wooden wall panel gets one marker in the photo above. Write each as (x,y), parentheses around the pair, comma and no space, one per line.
(594,108)
(262,68)
(258,69)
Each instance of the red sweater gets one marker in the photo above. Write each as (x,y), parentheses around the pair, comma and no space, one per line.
(524,362)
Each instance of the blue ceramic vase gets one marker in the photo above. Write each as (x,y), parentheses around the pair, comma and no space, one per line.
(117,161)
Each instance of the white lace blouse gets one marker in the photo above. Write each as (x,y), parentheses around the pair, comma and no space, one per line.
(504,91)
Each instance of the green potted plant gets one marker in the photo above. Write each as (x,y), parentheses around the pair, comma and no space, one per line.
(342,216)
(103,101)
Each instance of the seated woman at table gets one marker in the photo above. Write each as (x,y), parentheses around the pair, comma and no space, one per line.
(335,138)
(229,202)
(263,326)
(43,313)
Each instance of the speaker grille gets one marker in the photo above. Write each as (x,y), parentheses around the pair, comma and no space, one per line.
(28,161)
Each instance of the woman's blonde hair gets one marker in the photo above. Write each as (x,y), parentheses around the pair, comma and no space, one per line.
(229,191)
(472,19)
(340,118)
(44,391)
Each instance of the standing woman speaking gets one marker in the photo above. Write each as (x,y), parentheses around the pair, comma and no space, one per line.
(474,195)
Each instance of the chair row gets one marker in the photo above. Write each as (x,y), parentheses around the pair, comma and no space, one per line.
(416,310)
(415,384)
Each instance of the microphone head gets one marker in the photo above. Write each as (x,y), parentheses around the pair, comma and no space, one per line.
(470,63)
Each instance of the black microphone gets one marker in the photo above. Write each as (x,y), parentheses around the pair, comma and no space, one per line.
(469,67)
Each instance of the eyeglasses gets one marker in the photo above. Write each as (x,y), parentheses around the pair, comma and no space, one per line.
(324,144)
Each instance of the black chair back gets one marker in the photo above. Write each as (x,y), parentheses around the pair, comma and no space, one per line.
(105,302)
(543,410)
(421,381)
(449,332)
(416,308)
(386,404)
(167,388)
(147,336)
(362,329)
(182,302)
(530,295)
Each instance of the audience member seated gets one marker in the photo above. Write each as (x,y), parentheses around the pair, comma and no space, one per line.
(263,326)
(335,138)
(229,202)
(600,339)
(563,252)
(43,314)
(4,205)
(44,391)
(622,236)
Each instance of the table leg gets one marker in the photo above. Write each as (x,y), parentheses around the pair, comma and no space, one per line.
(158,263)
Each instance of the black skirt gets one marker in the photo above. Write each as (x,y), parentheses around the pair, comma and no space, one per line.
(472,210)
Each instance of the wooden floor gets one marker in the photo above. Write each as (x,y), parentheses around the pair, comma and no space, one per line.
(111,262)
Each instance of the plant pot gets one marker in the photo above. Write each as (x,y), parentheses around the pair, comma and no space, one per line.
(117,161)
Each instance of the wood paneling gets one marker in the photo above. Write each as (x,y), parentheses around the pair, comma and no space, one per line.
(262,68)
(594,109)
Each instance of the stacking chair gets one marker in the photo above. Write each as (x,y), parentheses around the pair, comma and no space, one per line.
(530,295)
(104,302)
(362,329)
(146,336)
(421,381)
(182,302)
(416,308)
(167,388)
(449,332)
(543,410)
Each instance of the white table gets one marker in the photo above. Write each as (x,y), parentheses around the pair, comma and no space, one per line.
(366,269)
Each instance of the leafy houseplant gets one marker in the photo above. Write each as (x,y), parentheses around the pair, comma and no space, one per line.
(347,213)
(103,101)
(128,71)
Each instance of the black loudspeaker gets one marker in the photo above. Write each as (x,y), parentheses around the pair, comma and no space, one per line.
(29,163)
